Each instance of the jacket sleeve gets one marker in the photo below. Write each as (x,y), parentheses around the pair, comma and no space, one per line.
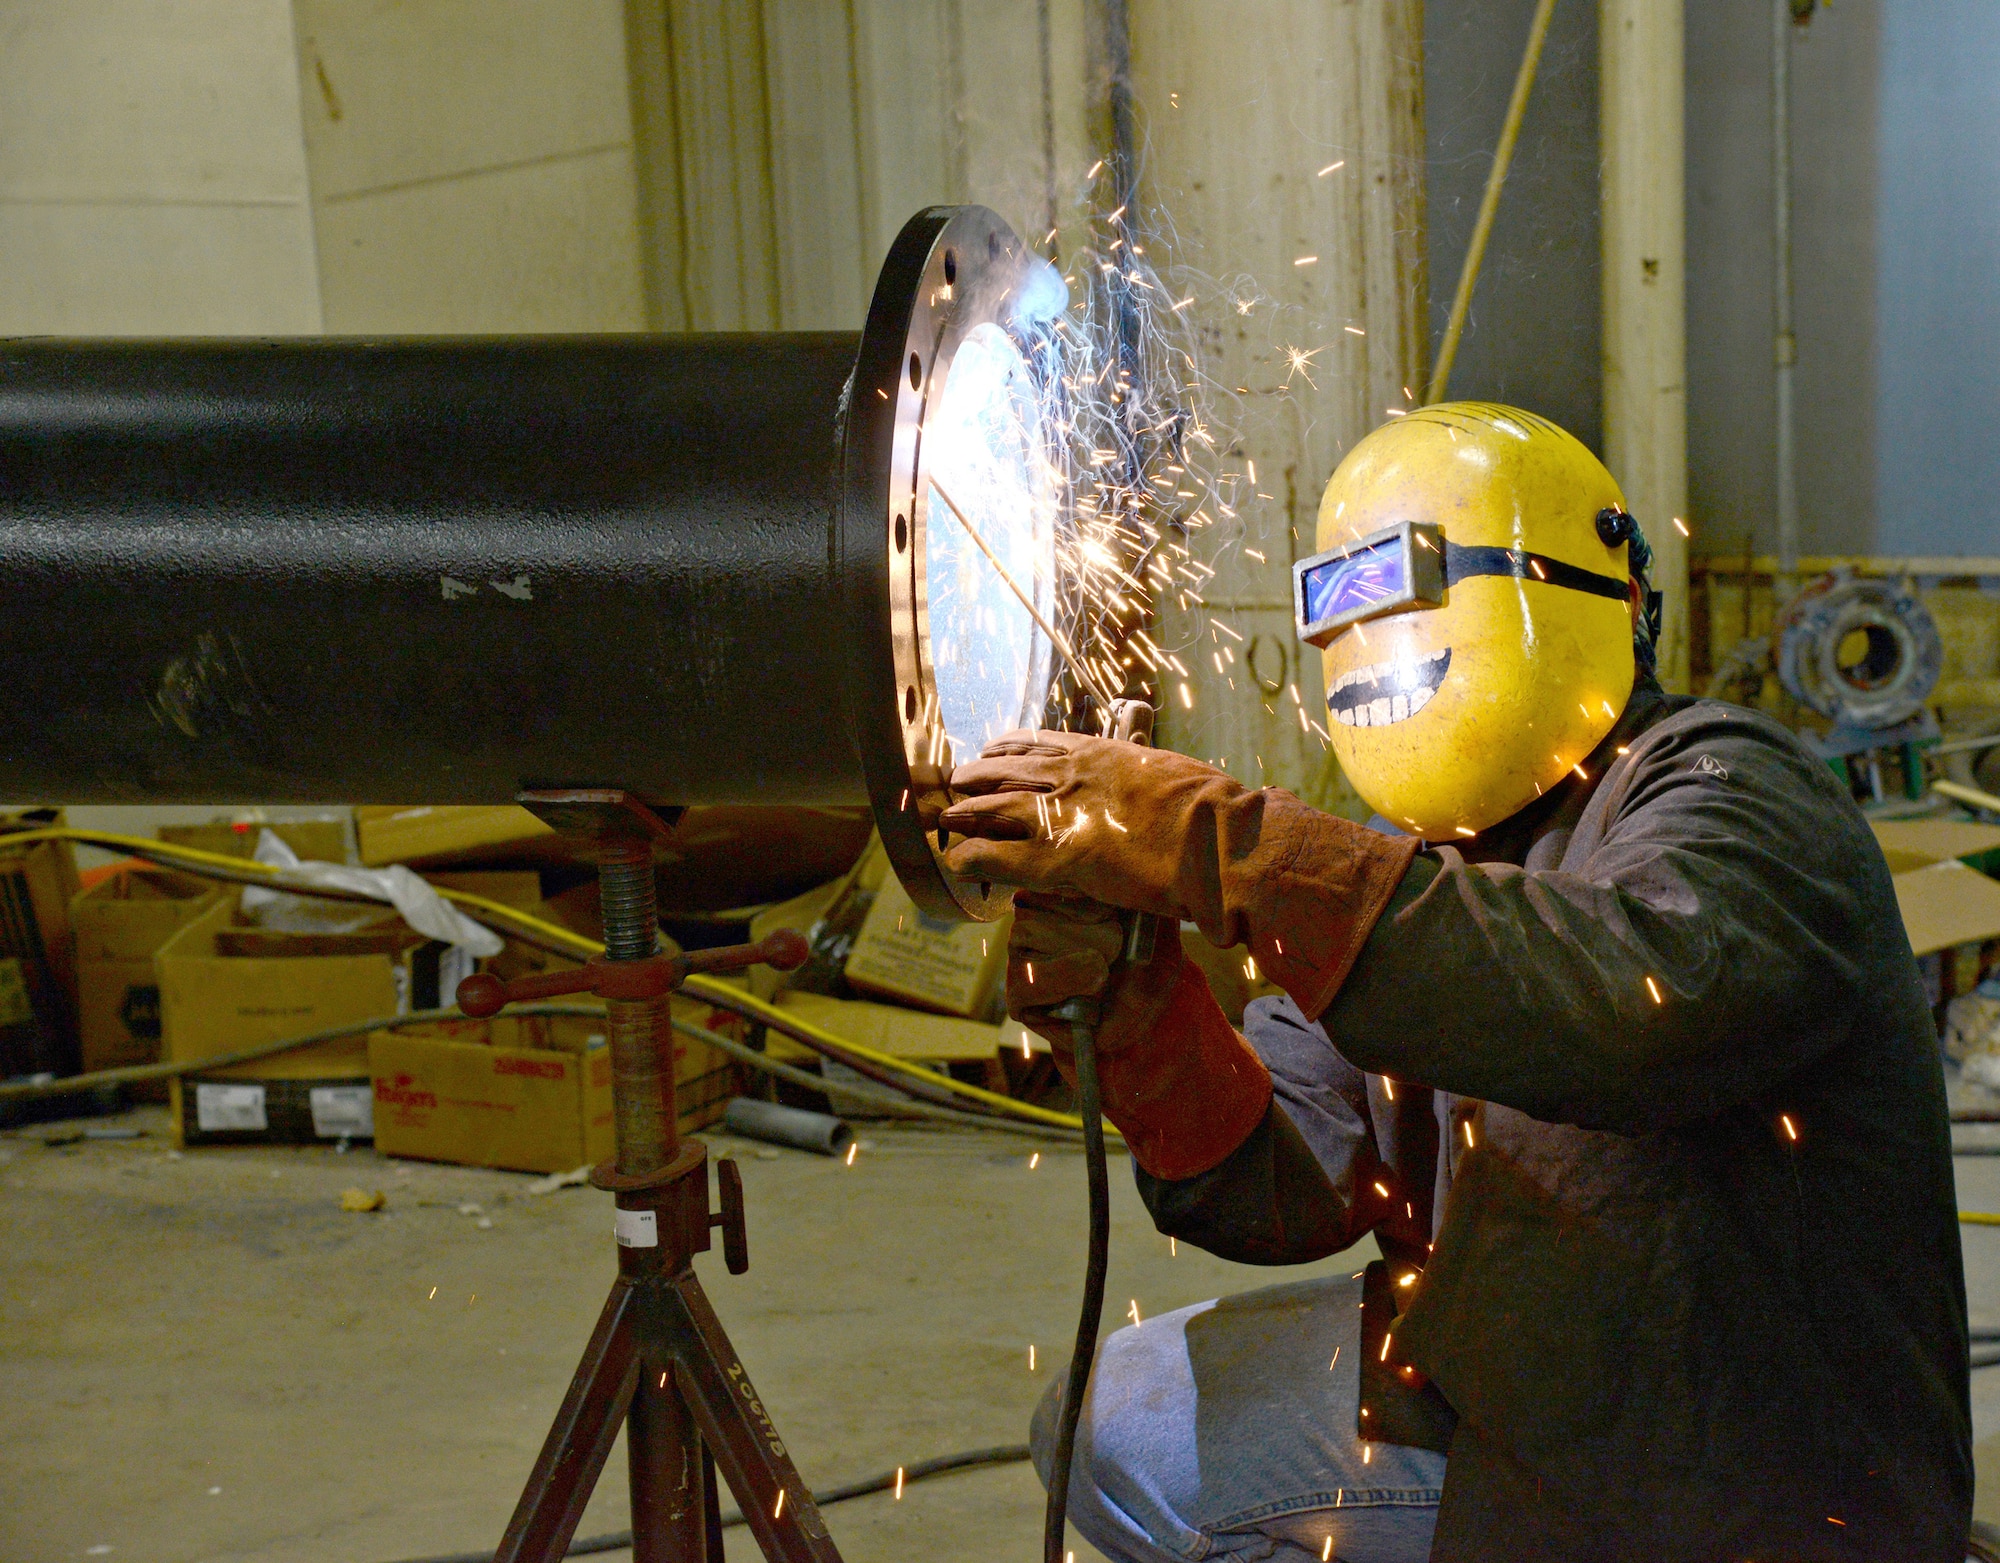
(1304,1184)
(1697,957)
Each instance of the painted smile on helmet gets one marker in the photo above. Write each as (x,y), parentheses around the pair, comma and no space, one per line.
(1387,692)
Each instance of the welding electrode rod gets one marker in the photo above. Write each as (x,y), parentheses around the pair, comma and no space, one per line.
(1069,655)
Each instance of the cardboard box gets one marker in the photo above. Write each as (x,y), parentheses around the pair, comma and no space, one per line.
(520,889)
(530,1094)
(1947,904)
(402,833)
(37,953)
(120,922)
(908,955)
(314,840)
(213,1002)
(798,914)
(1915,843)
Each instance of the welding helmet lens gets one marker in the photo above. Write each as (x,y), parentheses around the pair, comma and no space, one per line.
(1395,568)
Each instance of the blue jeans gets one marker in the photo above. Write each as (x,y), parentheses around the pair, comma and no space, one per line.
(1226,1430)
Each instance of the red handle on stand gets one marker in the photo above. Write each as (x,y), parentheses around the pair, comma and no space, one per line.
(483,994)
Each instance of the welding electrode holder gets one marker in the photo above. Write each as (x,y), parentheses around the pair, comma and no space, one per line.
(659,1362)
(1132,722)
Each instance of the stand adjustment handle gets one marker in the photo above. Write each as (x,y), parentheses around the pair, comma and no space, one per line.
(735,1241)
(483,994)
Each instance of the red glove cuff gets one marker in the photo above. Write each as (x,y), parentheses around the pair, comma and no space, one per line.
(1190,1091)
(1324,883)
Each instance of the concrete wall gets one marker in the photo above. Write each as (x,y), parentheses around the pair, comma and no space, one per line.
(1835,131)
(152,178)
(471,165)
(1938,476)
(1536,329)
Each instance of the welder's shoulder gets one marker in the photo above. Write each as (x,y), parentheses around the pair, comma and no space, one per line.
(1708,754)
(1733,784)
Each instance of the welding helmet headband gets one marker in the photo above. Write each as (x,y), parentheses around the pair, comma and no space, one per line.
(1475,598)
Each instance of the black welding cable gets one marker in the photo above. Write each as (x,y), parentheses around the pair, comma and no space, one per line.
(1083,1042)
(618,1540)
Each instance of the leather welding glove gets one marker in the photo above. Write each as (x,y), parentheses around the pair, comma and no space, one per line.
(1177,1079)
(1066,814)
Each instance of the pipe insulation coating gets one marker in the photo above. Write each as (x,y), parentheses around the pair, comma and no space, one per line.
(793,1126)
(700,569)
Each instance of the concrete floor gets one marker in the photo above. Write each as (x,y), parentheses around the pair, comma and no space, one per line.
(203,1358)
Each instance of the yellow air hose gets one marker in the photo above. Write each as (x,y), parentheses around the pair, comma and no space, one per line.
(721,994)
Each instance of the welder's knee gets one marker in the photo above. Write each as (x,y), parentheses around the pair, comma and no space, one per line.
(1132,1445)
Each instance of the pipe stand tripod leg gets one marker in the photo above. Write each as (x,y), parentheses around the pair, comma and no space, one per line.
(667,1463)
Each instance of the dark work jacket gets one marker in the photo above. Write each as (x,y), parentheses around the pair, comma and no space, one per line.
(1696,1291)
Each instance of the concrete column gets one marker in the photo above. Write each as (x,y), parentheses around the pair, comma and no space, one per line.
(1645,335)
(1281,150)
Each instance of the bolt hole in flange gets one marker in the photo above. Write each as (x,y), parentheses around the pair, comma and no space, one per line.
(902,534)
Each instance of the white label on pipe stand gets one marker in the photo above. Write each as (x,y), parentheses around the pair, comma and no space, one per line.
(637,1229)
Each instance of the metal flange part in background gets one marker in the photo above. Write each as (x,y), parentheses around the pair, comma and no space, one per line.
(1901,655)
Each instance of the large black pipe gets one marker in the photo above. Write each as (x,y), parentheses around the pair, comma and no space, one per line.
(425,570)
(448,570)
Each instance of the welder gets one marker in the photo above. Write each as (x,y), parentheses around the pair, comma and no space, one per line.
(1606,1028)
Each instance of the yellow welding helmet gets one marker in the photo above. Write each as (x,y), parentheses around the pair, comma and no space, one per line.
(1474,599)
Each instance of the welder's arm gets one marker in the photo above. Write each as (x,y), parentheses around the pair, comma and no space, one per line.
(1260,1148)
(1069,815)
(1175,1077)
(1309,1179)
(1698,959)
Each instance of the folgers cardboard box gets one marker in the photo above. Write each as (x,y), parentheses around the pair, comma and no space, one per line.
(528,1093)
(120,923)
(225,986)
(37,953)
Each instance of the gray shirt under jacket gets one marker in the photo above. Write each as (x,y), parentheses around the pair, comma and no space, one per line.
(1695,1291)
